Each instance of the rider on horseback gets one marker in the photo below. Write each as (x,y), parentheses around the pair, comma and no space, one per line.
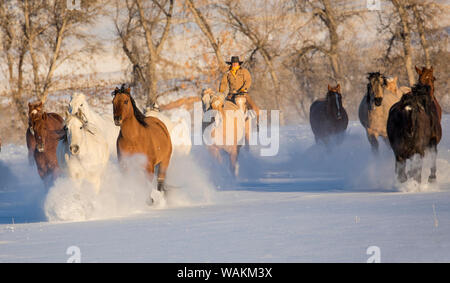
(238,80)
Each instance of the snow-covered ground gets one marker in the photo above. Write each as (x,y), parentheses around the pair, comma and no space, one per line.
(305,204)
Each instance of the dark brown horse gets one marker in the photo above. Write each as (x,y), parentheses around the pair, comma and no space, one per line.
(48,130)
(35,111)
(141,135)
(414,127)
(426,78)
(327,116)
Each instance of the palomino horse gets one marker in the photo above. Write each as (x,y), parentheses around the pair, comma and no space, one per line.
(83,151)
(374,108)
(327,116)
(47,132)
(426,78)
(229,127)
(414,127)
(141,135)
(103,123)
(179,130)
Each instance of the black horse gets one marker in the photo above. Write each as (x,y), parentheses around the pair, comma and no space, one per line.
(327,116)
(414,127)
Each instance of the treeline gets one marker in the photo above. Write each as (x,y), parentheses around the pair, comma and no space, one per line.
(293,48)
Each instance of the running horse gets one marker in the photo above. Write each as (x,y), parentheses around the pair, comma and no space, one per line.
(141,135)
(413,128)
(374,108)
(328,117)
(230,126)
(48,129)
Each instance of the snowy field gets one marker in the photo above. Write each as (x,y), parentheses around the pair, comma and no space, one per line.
(305,204)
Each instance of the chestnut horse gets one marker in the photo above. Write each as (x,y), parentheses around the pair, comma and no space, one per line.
(414,127)
(141,135)
(48,130)
(426,78)
(327,116)
(35,110)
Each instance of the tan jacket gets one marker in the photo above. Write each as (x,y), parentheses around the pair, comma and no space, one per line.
(241,81)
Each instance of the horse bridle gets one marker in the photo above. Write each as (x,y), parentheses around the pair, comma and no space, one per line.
(82,117)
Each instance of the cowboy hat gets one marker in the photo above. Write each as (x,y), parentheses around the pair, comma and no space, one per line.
(234,59)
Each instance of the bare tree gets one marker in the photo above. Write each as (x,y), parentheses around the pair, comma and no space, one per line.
(152,21)
(207,31)
(405,34)
(37,37)
(332,18)
(243,21)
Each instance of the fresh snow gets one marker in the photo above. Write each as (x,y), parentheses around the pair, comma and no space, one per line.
(305,204)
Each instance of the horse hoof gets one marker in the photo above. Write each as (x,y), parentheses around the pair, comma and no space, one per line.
(150,201)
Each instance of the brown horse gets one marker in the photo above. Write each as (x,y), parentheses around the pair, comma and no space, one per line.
(141,135)
(35,111)
(414,127)
(48,130)
(426,78)
(327,116)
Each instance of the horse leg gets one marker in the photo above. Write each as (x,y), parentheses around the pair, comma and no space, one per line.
(233,160)
(373,142)
(400,166)
(162,171)
(416,170)
(433,151)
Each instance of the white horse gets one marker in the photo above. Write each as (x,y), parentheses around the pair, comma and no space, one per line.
(104,123)
(178,128)
(83,153)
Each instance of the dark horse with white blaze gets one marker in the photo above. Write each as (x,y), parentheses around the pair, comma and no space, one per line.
(327,116)
(414,127)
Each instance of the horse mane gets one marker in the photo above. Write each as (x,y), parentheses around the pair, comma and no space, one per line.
(419,95)
(140,117)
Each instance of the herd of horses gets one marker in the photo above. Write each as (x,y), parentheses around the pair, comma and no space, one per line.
(81,144)
(407,119)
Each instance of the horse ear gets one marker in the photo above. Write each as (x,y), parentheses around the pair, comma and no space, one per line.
(329,88)
(395,79)
(40,103)
(44,116)
(419,71)
(338,88)
(66,115)
(431,69)
(128,90)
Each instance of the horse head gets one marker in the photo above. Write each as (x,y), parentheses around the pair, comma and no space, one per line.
(34,109)
(426,76)
(77,102)
(76,128)
(124,107)
(334,101)
(375,88)
(40,131)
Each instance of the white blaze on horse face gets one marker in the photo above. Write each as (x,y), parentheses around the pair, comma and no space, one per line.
(75,133)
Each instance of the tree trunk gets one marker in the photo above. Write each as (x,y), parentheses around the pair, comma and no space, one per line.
(406,38)
(421,29)
(206,29)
